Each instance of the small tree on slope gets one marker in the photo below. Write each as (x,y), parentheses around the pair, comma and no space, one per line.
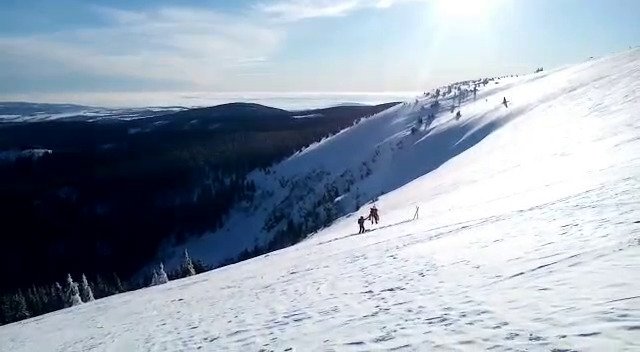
(19,307)
(57,299)
(154,278)
(162,276)
(187,265)
(85,289)
(72,294)
(4,309)
(34,301)
(117,283)
(101,288)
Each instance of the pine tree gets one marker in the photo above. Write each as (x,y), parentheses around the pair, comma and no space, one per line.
(200,267)
(154,278)
(58,297)
(34,301)
(187,265)
(43,294)
(117,284)
(85,289)
(19,307)
(73,293)
(4,309)
(162,275)
(102,289)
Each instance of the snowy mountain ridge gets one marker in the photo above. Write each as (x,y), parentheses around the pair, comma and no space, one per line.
(335,177)
(527,237)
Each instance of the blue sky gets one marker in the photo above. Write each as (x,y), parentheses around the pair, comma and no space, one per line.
(66,48)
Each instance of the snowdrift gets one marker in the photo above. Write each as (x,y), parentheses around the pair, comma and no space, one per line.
(528,236)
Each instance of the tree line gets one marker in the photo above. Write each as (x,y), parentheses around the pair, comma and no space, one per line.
(109,193)
(37,300)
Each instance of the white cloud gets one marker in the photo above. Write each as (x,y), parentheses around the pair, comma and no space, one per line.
(171,48)
(200,48)
(294,10)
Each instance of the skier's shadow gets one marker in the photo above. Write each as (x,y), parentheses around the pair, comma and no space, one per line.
(366,231)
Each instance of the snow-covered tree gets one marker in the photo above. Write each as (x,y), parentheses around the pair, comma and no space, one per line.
(19,307)
(162,275)
(101,288)
(159,276)
(73,293)
(187,265)
(57,298)
(4,310)
(85,289)
(34,300)
(154,278)
(117,283)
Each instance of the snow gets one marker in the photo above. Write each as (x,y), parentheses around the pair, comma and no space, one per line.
(528,238)
(13,154)
(9,117)
(309,116)
(380,155)
(86,113)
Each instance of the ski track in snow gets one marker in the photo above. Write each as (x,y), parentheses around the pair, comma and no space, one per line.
(529,240)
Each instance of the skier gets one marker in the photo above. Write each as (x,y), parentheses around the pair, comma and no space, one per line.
(373,215)
(361,223)
(458,115)
(504,101)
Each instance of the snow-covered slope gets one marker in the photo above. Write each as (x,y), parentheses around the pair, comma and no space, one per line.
(336,176)
(528,238)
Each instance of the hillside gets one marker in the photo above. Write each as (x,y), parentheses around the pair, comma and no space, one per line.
(527,238)
(99,196)
(335,177)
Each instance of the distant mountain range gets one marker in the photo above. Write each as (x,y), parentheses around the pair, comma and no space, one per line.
(12,112)
(34,112)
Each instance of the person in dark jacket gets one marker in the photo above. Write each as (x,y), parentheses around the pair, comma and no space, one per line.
(361,223)
(505,102)
(373,215)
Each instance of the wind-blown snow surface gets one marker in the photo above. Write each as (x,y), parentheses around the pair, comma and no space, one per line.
(528,239)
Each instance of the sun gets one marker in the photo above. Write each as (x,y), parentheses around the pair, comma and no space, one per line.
(464,9)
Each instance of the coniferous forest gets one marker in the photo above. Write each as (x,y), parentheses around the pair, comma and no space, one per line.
(98,197)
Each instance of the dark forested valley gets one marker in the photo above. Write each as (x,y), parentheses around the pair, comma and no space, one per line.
(99,197)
